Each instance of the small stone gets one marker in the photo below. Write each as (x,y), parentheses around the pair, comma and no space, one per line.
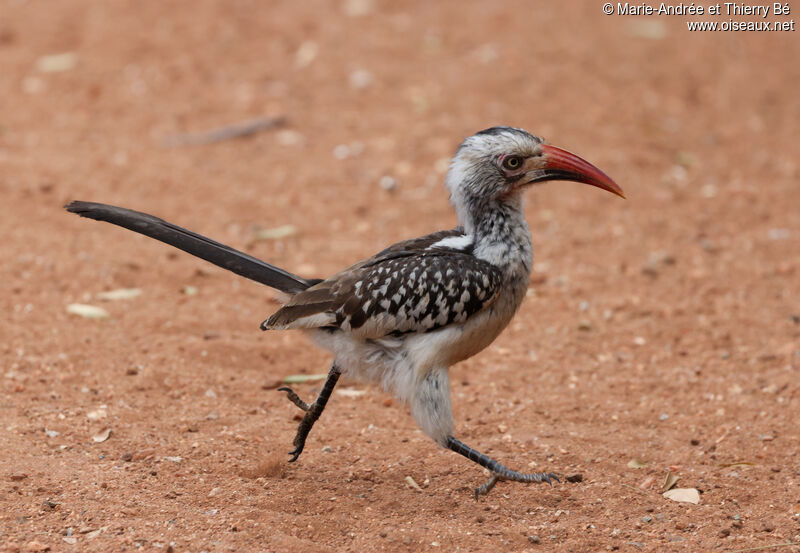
(534,539)
(646,519)
(360,78)
(387,183)
(768,527)
(737,524)
(358,8)
(575,478)
(17,476)
(34,546)
(327,449)
(724,533)
(127,457)
(97,414)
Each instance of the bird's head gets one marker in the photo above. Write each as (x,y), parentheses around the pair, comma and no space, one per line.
(495,164)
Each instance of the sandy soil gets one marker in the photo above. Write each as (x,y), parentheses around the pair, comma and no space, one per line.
(663,328)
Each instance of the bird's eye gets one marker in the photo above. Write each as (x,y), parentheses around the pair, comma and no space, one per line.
(512,163)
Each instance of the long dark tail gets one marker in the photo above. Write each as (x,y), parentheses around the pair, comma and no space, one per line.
(195,244)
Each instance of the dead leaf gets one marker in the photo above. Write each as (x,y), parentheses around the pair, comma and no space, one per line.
(276,233)
(683,495)
(300,378)
(305,54)
(351,392)
(88,311)
(646,483)
(651,29)
(102,436)
(636,464)
(669,482)
(120,294)
(56,63)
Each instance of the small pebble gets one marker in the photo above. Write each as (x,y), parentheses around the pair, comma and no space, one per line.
(387,183)
(647,519)
(534,539)
(575,478)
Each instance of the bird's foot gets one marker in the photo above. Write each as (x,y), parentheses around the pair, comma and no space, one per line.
(513,476)
(312,414)
(313,411)
(499,471)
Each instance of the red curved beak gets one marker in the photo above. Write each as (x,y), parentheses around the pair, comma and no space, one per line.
(563,165)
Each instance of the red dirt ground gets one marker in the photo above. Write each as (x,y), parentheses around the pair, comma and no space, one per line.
(663,328)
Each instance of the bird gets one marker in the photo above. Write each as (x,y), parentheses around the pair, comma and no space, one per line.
(403,317)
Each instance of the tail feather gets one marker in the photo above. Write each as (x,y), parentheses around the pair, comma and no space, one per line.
(195,244)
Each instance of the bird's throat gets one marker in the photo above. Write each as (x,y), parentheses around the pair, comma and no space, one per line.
(502,237)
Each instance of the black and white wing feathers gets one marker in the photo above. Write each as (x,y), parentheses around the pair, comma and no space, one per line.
(418,285)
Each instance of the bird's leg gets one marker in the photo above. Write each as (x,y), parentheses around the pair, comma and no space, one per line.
(499,471)
(313,410)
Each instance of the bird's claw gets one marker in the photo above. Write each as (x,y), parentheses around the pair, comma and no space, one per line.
(294,398)
(549,477)
(295,453)
(485,488)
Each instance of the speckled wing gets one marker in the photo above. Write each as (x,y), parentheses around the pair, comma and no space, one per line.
(414,286)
